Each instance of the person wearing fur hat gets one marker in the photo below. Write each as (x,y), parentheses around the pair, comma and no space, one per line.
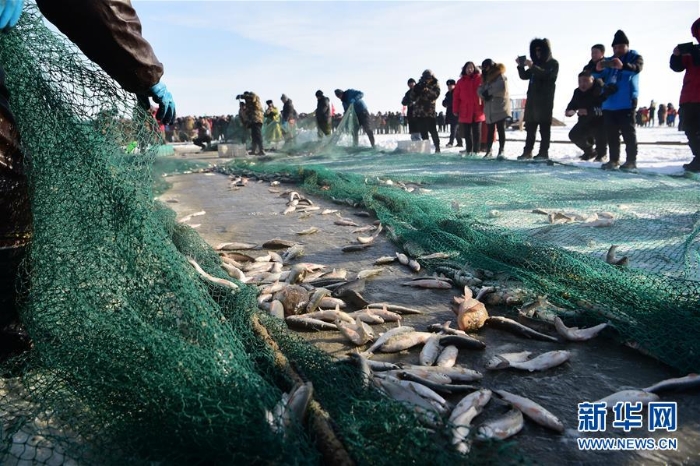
(354,97)
(688,60)
(494,92)
(620,73)
(323,114)
(542,71)
(424,95)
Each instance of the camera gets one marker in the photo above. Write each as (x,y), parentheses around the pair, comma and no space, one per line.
(686,48)
(239,97)
(606,63)
(521,60)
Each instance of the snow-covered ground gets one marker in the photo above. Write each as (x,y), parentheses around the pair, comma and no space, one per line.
(654,153)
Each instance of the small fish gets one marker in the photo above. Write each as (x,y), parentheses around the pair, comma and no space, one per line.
(172,201)
(403,259)
(463,341)
(274,183)
(540,363)
(428,283)
(364,228)
(414,265)
(393,388)
(446,329)
(351,332)
(294,407)
(305,323)
(448,356)
(386,336)
(366,315)
(474,401)
(430,351)
(345,222)
(211,278)
(394,308)
(447,388)
(404,341)
(601,222)
(278,244)
(417,373)
(437,255)
(385,260)
(329,211)
(576,334)
(307,209)
(457,374)
(631,396)
(540,211)
(611,259)
(331,315)
(533,410)
(365,239)
(233,246)
(289,209)
(308,231)
(369,273)
(500,361)
(189,217)
(505,426)
(356,247)
(517,328)
(292,253)
(316,298)
(277,309)
(385,314)
(688,382)
(329,302)
(234,272)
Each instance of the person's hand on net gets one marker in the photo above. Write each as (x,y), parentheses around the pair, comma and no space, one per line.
(10,11)
(166,105)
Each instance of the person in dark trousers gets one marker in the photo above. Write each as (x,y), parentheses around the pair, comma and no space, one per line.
(253,120)
(688,60)
(469,107)
(587,102)
(109,33)
(652,113)
(354,97)
(601,137)
(410,118)
(621,77)
(289,118)
(323,114)
(450,118)
(542,71)
(424,95)
(494,92)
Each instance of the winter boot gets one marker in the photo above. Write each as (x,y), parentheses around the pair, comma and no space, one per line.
(610,165)
(527,155)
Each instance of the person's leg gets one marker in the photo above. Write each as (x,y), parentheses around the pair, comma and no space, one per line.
(612,130)
(629,135)
(432,129)
(580,135)
(501,128)
(453,133)
(691,127)
(601,140)
(545,138)
(490,127)
(476,136)
(530,133)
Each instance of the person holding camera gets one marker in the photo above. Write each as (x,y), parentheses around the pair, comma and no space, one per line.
(410,118)
(621,77)
(468,106)
(424,95)
(686,57)
(252,117)
(494,92)
(542,71)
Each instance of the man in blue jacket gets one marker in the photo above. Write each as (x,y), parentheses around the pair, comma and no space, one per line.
(621,77)
(354,98)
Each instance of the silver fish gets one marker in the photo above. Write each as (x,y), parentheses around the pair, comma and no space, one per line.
(387,316)
(277,309)
(404,341)
(387,335)
(533,410)
(505,426)
(369,273)
(476,401)
(351,332)
(305,323)
(316,298)
(403,259)
(501,361)
(414,265)
(394,308)
(233,246)
(512,326)
(278,244)
(542,362)
(463,341)
(292,253)
(211,278)
(632,396)
(289,209)
(385,260)
(430,351)
(345,222)
(308,231)
(690,381)
(576,334)
(329,302)
(611,259)
(448,356)
(331,315)
(428,283)
(366,315)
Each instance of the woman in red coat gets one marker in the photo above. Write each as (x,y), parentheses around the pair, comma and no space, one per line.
(468,106)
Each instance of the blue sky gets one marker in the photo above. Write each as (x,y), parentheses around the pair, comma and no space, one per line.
(213,50)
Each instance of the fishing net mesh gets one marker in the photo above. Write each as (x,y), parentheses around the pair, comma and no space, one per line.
(136,359)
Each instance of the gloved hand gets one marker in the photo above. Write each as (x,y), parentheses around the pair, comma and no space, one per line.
(10,11)
(164,99)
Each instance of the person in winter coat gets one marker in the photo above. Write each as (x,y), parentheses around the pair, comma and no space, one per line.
(410,118)
(688,60)
(468,107)
(662,114)
(272,128)
(450,118)
(424,95)
(652,113)
(621,77)
(354,97)
(587,102)
(494,93)
(289,118)
(323,114)
(542,71)
(95,26)
(253,119)
(597,54)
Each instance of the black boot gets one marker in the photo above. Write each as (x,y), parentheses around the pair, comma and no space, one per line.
(527,155)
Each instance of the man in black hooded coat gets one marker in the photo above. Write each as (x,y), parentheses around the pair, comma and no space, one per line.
(542,71)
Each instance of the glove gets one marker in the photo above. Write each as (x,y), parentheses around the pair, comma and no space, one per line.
(610,89)
(10,11)
(164,99)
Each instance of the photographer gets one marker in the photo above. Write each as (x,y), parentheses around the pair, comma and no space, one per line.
(424,95)
(542,72)
(408,103)
(586,102)
(621,77)
(686,57)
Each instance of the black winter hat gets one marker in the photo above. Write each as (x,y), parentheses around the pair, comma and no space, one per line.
(411,80)
(319,93)
(338,92)
(486,63)
(450,81)
(620,38)
(268,102)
